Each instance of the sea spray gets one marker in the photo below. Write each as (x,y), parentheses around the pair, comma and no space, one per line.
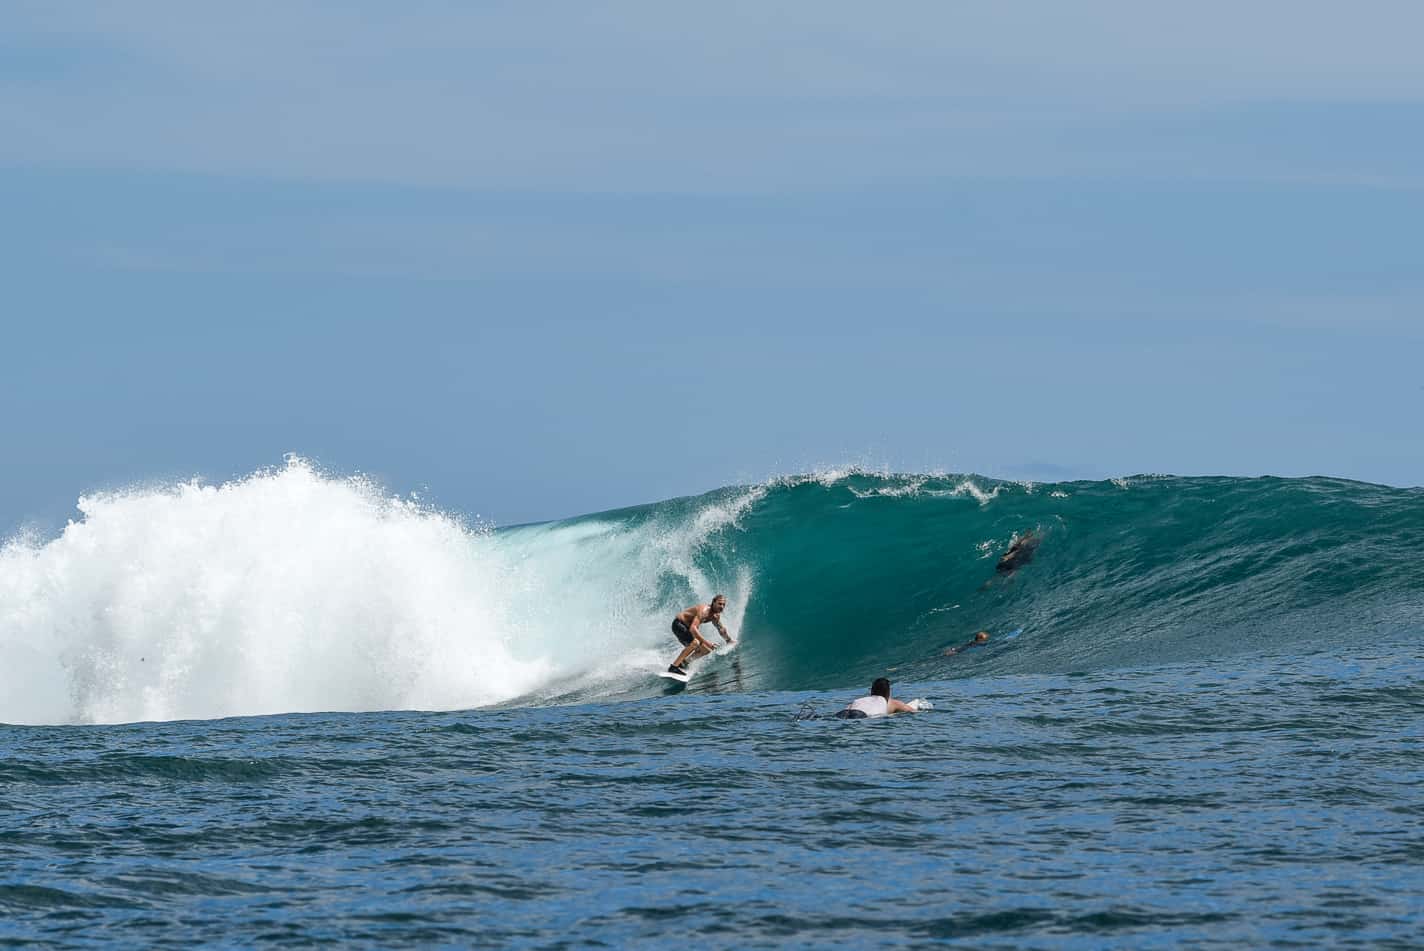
(292,590)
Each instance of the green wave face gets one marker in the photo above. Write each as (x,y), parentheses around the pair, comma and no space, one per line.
(848,578)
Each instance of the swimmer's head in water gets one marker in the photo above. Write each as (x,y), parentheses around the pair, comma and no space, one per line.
(981,637)
(881,688)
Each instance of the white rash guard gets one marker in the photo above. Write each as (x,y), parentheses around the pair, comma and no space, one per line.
(871,706)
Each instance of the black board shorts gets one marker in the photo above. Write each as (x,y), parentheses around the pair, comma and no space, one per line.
(852,715)
(681,631)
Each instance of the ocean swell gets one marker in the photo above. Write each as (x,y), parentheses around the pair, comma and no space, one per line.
(294,590)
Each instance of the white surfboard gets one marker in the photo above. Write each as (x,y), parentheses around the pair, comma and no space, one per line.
(669,675)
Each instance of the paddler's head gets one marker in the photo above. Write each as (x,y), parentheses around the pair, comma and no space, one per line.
(981,637)
(881,688)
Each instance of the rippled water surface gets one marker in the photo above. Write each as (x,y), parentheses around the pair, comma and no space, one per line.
(1273,802)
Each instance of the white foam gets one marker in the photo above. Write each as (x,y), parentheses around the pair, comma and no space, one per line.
(971,488)
(908,487)
(291,590)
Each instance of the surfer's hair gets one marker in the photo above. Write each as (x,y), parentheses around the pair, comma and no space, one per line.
(719,597)
(881,688)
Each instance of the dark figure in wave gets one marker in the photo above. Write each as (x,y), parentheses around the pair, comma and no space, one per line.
(1020,553)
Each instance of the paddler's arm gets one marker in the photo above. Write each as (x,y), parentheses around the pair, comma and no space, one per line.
(897,707)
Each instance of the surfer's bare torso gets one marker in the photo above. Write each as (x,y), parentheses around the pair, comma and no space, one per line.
(698,613)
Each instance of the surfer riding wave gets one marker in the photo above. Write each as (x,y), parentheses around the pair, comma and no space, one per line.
(684,628)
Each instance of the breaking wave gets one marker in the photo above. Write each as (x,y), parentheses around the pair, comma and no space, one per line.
(293,590)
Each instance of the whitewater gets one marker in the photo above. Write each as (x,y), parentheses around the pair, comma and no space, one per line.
(294,590)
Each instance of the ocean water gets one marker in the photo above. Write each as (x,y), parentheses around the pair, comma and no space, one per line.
(293,710)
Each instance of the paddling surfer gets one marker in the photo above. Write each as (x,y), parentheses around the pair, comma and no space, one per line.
(978,640)
(684,628)
(877,703)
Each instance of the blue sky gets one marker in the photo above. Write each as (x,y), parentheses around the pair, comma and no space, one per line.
(541,260)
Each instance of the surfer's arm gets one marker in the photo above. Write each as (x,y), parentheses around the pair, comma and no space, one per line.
(722,630)
(697,635)
(896,706)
